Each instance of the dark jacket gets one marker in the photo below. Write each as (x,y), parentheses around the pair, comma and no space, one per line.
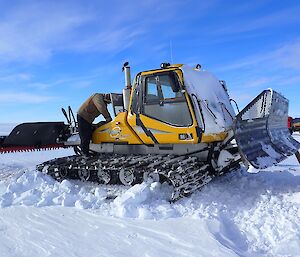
(93,107)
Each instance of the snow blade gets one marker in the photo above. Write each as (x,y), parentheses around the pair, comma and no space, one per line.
(261,130)
(39,134)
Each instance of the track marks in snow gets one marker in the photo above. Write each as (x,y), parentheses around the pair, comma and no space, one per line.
(242,214)
(228,234)
(251,211)
(57,231)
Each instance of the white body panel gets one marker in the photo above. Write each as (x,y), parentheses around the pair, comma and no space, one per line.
(217,111)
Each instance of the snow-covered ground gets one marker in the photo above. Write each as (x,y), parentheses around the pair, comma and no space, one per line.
(240,214)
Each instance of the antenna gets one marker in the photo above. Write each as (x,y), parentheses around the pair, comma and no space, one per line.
(171,50)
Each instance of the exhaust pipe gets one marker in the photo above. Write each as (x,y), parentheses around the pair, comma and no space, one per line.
(126,69)
(127,89)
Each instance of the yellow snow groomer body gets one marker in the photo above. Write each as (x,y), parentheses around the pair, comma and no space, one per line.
(156,114)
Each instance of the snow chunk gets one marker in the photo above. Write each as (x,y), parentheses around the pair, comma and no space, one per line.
(294,198)
(251,169)
(66,186)
(135,201)
(35,188)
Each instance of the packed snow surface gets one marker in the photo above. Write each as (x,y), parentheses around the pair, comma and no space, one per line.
(240,214)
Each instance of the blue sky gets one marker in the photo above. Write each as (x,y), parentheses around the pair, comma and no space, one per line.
(56,53)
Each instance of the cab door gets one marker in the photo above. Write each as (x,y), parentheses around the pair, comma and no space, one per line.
(161,111)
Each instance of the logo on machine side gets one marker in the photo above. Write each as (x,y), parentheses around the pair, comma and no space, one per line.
(115,132)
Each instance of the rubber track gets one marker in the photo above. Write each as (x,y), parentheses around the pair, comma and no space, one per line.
(185,173)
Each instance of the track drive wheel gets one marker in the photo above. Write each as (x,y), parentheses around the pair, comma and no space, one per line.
(151,176)
(126,177)
(63,173)
(104,176)
(84,174)
(44,169)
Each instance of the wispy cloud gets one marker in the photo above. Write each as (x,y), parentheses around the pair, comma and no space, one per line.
(24,98)
(286,56)
(278,18)
(258,82)
(277,68)
(109,40)
(35,30)
(15,77)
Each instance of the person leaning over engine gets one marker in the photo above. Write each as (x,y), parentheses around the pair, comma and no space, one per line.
(95,105)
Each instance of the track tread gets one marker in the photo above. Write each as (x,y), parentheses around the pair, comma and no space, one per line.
(185,173)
